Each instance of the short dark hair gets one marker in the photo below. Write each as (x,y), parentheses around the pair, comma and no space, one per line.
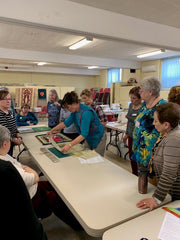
(168,112)
(3,94)
(69,98)
(135,91)
(25,105)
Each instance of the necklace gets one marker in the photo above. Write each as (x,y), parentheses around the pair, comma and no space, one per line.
(149,105)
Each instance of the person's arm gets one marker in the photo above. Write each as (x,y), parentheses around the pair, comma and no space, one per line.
(30,170)
(101,115)
(56,129)
(147,203)
(85,124)
(72,143)
(170,168)
(35,119)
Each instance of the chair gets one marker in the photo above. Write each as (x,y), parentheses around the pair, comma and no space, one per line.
(96,96)
(43,112)
(107,90)
(100,98)
(101,90)
(16,208)
(106,98)
(92,90)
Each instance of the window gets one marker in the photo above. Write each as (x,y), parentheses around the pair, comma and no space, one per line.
(114,75)
(170,72)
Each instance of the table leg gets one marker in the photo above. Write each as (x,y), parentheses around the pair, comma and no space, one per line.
(116,140)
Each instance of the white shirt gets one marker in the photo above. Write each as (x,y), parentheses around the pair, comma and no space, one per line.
(28,178)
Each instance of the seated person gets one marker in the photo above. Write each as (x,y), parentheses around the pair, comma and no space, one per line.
(44,198)
(25,117)
(18,219)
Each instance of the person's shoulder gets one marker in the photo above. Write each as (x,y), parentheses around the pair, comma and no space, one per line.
(174,136)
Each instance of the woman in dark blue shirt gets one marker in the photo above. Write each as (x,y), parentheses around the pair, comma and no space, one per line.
(26,118)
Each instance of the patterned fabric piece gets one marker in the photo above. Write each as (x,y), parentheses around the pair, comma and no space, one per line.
(26,96)
(41,93)
(144,135)
(99,111)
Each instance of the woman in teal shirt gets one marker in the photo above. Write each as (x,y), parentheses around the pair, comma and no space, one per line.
(86,122)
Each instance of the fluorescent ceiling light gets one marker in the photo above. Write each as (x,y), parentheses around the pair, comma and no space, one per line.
(41,63)
(92,67)
(150,53)
(81,43)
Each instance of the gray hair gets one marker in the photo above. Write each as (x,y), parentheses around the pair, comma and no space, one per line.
(151,84)
(4,89)
(55,92)
(4,135)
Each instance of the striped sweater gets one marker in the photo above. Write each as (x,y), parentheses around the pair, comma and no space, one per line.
(166,163)
(9,121)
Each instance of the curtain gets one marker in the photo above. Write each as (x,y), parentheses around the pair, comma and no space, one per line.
(170,72)
(114,75)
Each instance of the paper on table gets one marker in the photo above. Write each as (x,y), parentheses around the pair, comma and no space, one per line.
(92,160)
(170,229)
(25,129)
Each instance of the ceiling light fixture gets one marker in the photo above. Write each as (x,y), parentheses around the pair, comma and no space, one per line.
(41,63)
(92,67)
(81,43)
(151,53)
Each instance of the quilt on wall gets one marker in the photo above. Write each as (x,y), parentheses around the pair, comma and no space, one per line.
(41,93)
(26,96)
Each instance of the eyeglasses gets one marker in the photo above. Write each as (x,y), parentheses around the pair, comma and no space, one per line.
(6,99)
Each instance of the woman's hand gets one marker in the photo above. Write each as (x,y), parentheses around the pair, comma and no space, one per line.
(17,140)
(147,203)
(57,104)
(49,133)
(66,148)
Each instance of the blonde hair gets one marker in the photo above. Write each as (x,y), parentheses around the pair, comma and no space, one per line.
(86,92)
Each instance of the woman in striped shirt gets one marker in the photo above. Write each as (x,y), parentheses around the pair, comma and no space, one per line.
(7,119)
(165,155)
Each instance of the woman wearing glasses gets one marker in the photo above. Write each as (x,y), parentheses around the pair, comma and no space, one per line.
(7,119)
(86,122)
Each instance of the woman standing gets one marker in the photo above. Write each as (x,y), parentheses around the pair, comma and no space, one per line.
(145,134)
(53,108)
(86,122)
(166,156)
(7,119)
(131,115)
(87,98)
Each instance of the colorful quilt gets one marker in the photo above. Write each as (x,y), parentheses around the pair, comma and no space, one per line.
(58,138)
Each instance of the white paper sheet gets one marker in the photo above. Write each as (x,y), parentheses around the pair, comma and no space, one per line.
(170,229)
(91,160)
